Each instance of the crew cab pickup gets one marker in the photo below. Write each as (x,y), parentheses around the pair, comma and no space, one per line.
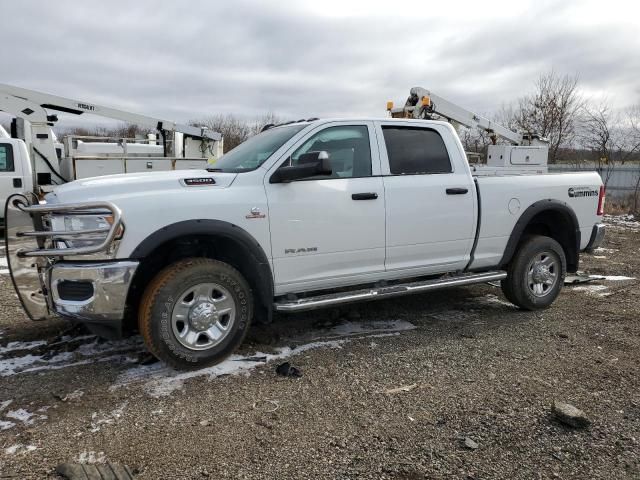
(301,216)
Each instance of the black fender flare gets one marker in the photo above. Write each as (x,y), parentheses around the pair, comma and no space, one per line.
(264,276)
(534,209)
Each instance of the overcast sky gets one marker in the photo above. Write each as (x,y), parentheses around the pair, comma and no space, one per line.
(184,60)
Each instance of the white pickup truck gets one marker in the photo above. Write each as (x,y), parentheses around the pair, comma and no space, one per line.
(304,215)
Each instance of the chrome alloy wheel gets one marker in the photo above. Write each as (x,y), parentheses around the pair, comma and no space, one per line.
(203,316)
(543,273)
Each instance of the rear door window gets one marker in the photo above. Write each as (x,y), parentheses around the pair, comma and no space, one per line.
(415,151)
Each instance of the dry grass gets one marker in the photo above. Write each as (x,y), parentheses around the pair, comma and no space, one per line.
(621,206)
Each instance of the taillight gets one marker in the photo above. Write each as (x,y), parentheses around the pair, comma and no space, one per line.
(601,197)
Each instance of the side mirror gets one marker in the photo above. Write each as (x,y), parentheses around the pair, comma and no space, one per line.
(309,164)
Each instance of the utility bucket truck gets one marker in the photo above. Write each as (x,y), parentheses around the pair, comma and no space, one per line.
(305,215)
(32,158)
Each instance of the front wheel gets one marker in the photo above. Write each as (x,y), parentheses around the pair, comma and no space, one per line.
(536,273)
(195,313)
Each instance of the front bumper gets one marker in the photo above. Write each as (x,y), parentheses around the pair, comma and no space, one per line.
(597,237)
(107,285)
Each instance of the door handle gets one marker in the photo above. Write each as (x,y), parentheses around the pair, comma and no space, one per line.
(457,191)
(364,196)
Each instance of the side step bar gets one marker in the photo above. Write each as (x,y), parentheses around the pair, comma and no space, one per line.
(379,293)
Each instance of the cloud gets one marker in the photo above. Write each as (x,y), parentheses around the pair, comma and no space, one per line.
(303,58)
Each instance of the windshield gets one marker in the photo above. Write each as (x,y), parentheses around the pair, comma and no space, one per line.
(252,153)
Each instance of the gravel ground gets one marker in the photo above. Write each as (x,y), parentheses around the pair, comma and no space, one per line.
(473,368)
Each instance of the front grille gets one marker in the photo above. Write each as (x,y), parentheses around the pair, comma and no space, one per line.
(76,291)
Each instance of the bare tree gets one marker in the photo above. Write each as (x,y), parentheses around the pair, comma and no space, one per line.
(612,135)
(236,130)
(233,130)
(269,118)
(551,111)
(633,116)
(476,140)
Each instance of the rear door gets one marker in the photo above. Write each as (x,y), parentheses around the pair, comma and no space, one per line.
(329,231)
(430,199)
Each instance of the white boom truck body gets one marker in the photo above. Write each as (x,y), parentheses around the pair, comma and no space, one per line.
(303,215)
(48,162)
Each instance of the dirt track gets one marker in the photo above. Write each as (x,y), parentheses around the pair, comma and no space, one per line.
(473,366)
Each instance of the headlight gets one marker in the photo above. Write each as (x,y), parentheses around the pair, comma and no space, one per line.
(95,228)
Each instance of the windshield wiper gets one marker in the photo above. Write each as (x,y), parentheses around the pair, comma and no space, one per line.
(211,169)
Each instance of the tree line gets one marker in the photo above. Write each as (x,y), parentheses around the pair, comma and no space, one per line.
(578,127)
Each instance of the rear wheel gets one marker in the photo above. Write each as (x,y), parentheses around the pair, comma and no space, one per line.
(195,313)
(536,274)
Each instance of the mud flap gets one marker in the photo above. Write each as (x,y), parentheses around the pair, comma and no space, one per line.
(25,272)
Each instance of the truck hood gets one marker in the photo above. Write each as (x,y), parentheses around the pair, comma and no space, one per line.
(109,186)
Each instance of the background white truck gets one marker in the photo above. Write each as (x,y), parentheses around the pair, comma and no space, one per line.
(304,215)
(32,158)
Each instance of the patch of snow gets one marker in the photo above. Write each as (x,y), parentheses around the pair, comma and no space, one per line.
(99,347)
(160,380)
(622,221)
(5,425)
(5,404)
(599,290)
(605,250)
(599,256)
(19,448)
(24,416)
(4,271)
(612,278)
(91,457)
(13,365)
(92,352)
(12,346)
(3,262)
(76,394)
(98,421)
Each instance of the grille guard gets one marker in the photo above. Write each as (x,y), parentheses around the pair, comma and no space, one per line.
(28,259)
(22,203)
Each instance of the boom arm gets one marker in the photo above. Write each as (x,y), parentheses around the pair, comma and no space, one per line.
(78,107)
(32,106)
(422,103)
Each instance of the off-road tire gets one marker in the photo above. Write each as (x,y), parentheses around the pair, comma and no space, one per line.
(160,297)
(515,286)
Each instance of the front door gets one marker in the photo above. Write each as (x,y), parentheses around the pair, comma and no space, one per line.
(329,231)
